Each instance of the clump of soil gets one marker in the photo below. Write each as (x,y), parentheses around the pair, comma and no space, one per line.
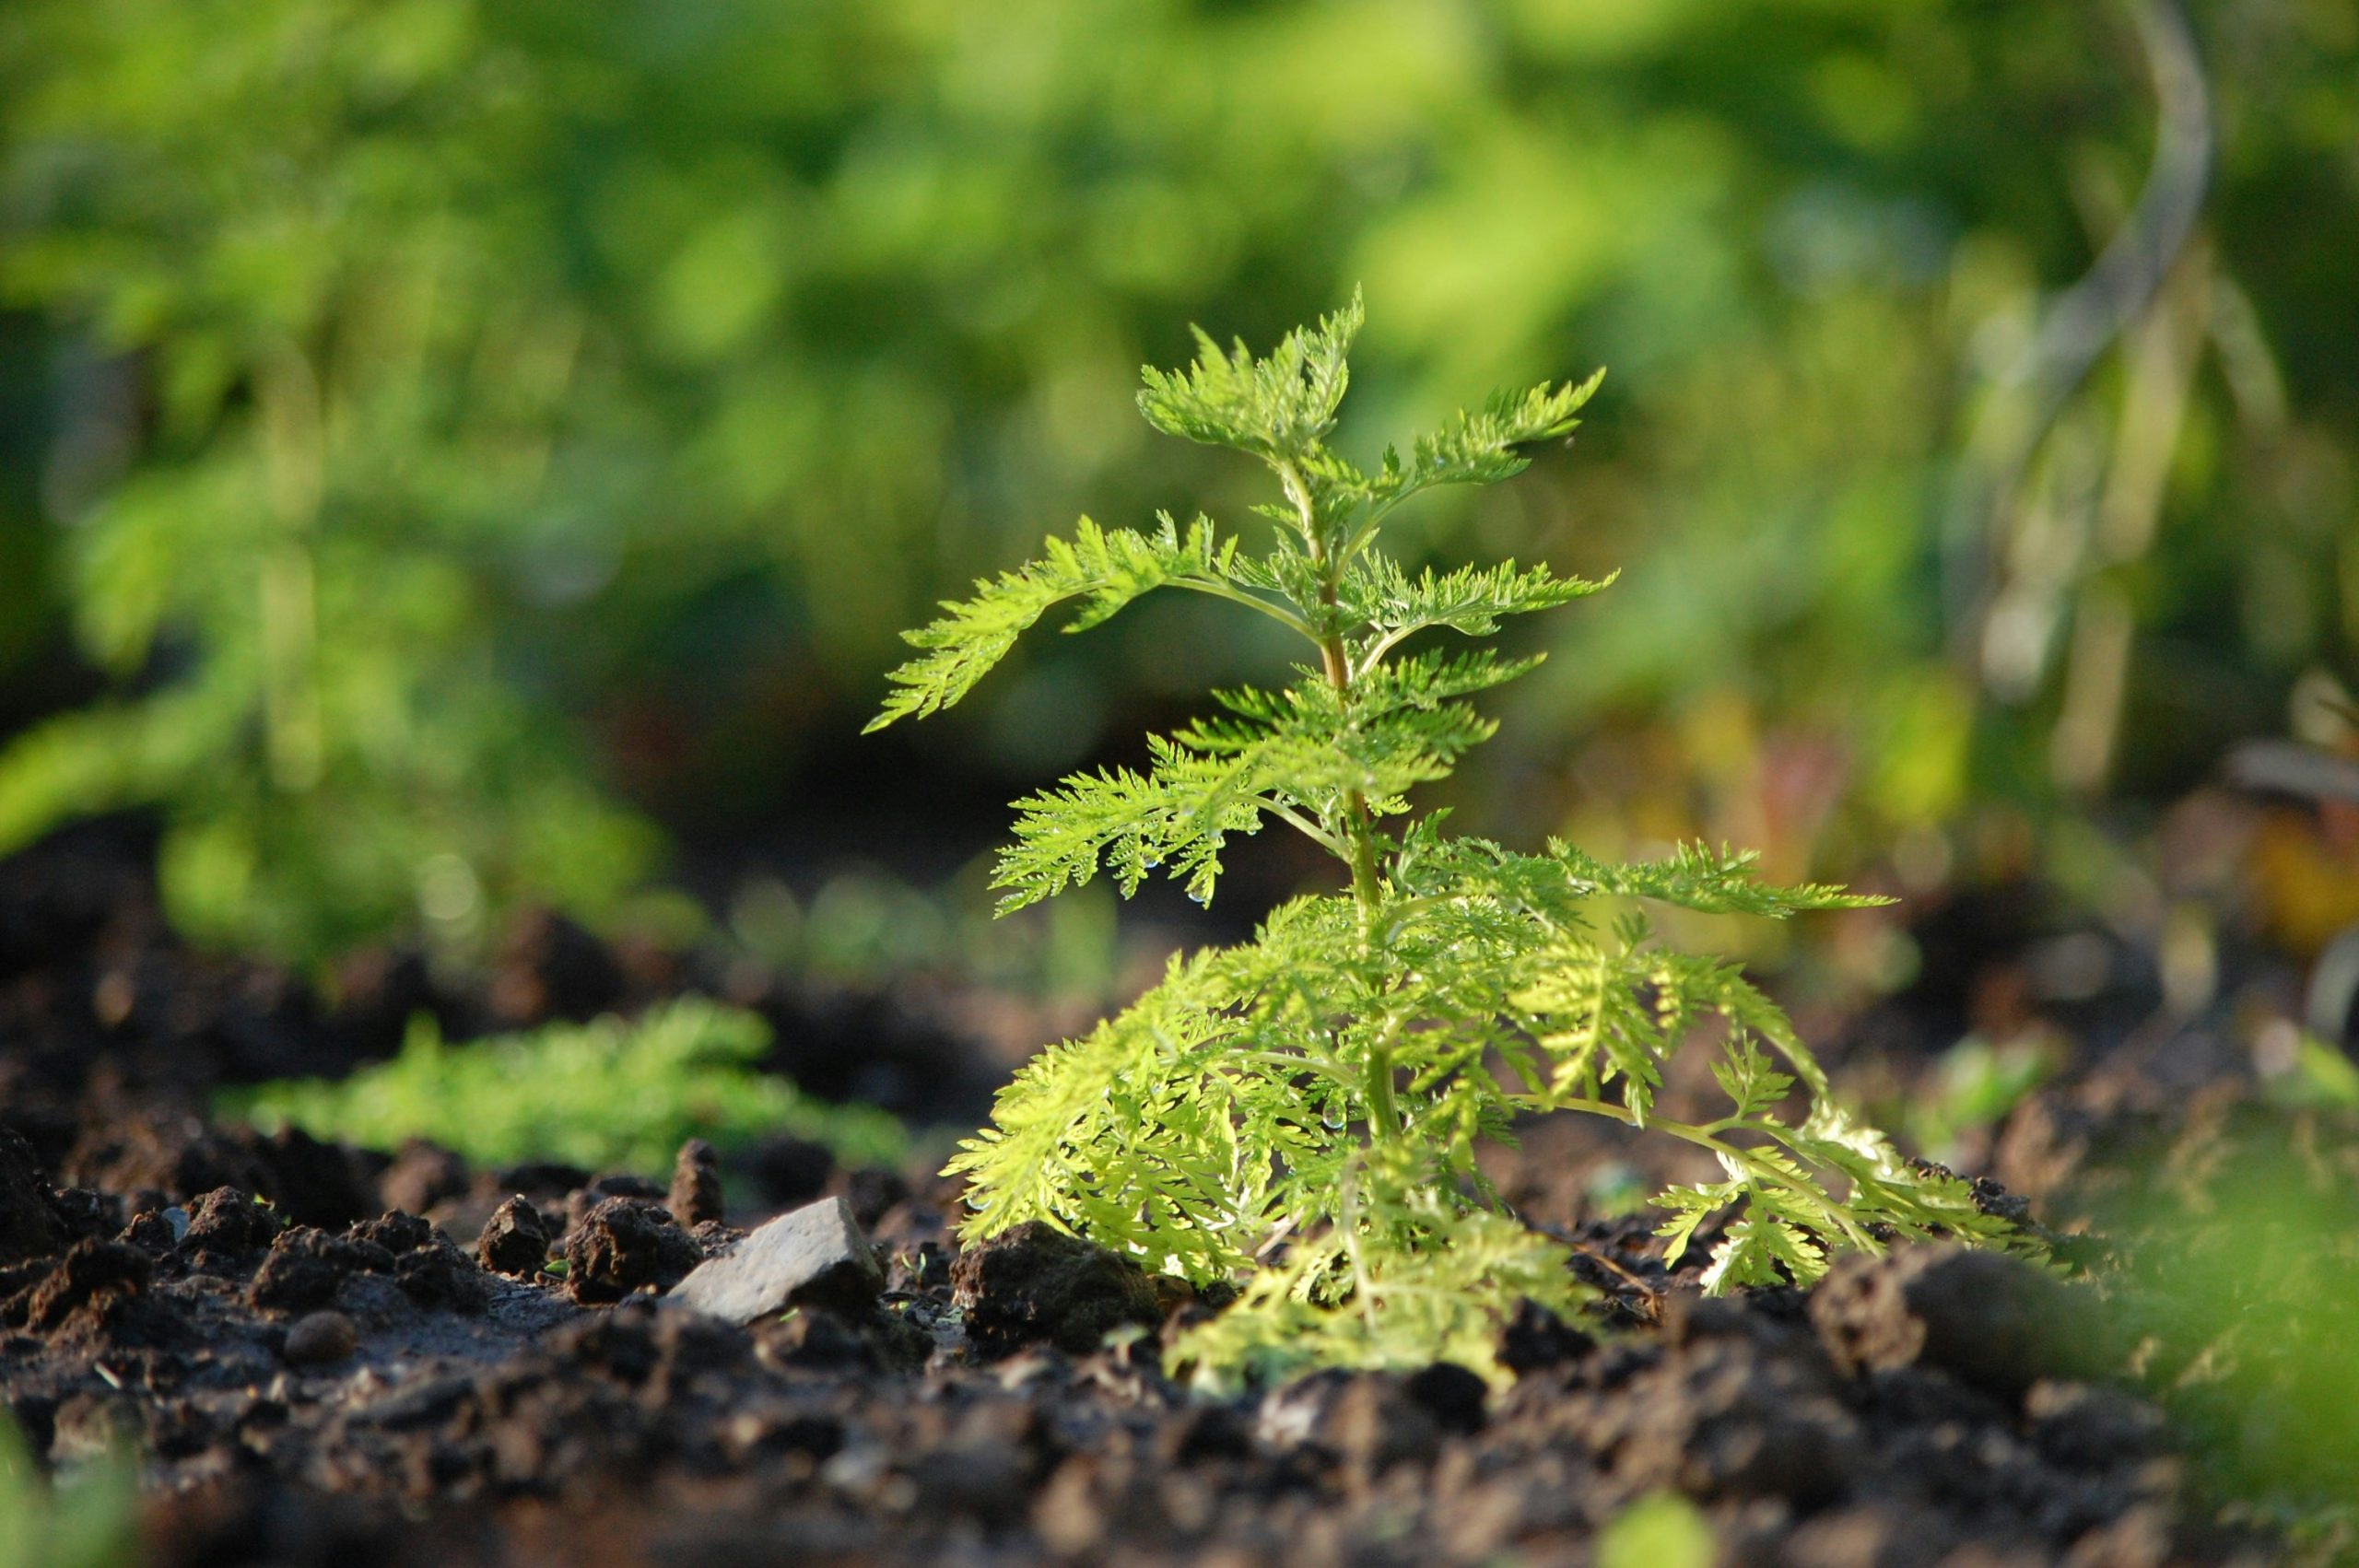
(1991,1321)
(515,1240)
(624,1245)
(1034,1284)
(86,1291)
(224,1226)
(695,1198)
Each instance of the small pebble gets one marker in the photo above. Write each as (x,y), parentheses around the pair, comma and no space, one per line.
(320,1339)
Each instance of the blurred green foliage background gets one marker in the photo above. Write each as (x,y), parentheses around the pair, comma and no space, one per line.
(441,442)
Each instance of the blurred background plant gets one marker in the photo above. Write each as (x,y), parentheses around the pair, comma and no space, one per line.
(453,453)
(604,1096)
(86,1517)
(2241,1288)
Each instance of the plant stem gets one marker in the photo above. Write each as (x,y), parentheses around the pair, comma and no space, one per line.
(1284,618)
(1360,831)
(1384,1114)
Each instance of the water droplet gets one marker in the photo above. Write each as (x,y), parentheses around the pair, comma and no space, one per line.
(1199,898)
(1152,861)
(1331,1118)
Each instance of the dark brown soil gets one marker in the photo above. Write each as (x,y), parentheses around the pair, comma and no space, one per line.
(336,1357)
(295,1391)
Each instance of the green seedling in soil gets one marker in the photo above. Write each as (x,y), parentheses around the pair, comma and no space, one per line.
(85,1518)
(1301,1113)
(605,1095)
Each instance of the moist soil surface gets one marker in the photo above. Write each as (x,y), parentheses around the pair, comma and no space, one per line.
(333,1356)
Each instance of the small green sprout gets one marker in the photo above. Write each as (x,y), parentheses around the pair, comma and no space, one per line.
(1301,1113)
(602,1094)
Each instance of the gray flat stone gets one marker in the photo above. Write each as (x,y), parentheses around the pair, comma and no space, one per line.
(815,1255)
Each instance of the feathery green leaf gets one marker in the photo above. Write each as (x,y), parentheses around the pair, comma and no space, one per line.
(1279,408)
(1104,570)
(1302,1112)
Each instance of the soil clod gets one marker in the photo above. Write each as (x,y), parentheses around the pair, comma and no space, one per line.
(1990,1320)
(306,1267)
(224,1225)
(696,1184)
(515,1240)
(88,1287)
(1033,1283)
(624,1245)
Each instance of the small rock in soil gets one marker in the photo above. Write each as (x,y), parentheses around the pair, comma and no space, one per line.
(696,1184)
(1986,1318)
(1034,1282)
(321,1338)
(623,1244)
(816,1255)
(515,1240)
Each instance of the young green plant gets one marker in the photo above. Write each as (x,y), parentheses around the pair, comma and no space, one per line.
(1301,1112)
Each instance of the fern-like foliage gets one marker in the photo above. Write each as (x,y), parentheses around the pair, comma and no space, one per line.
(1104,570)
(1300,1114)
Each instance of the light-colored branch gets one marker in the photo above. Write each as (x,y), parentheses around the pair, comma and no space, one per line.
(2025,401)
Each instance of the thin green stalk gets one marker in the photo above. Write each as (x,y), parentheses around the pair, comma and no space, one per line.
(1277,613)
(1360,830)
